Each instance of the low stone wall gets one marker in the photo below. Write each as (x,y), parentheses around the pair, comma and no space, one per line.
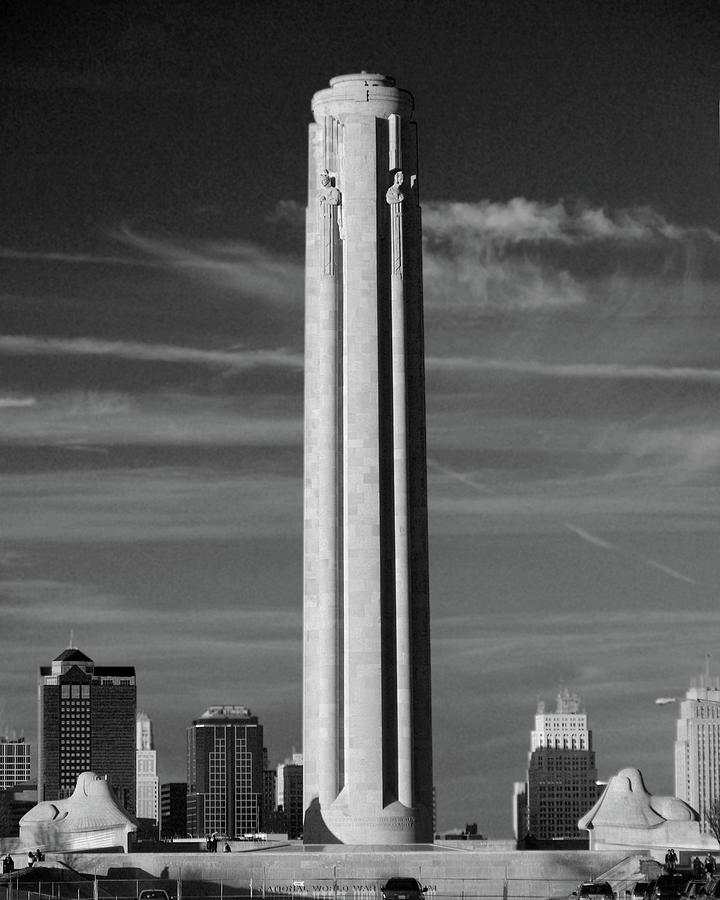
(359,872)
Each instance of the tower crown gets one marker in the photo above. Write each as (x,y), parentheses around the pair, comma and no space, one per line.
(69,658)
(362,93)
(367,78)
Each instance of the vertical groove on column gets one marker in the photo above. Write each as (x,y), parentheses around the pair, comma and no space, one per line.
(388,692)
(395,201)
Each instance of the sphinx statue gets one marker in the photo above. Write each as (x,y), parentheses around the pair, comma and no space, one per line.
(628,816)
(91,818)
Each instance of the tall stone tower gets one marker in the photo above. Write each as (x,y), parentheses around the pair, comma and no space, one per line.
(697,746)
(562,775)
(367,728)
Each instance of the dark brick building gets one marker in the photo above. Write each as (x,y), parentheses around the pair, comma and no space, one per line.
(562,776)
(173,809)
(86,723)
(225,765)
(293,799)
(269,803)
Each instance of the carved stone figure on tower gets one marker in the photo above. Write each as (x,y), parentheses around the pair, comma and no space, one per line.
(394,194)
(330,194)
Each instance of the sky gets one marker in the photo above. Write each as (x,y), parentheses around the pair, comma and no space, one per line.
(151,359)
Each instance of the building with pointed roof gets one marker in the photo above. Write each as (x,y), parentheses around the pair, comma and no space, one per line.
(86,722)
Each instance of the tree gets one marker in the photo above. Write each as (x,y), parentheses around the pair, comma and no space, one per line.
(7,825)
(712,817)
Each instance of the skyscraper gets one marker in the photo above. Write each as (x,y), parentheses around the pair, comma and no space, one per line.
(367,729)
(291,775)
(14,762)
(562,776)
(86,722)
(697,746)
(147,804)
(225,763)
(295,760)
(173,809)
(270,817)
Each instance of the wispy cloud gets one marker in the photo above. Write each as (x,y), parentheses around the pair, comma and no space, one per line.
(529,221)
(240,265)
(97,419)
(673,573)
(53,256)
(590,538)
(460,632)
(151,504)
(16,402)
(575,370)
(525,256)
(57,603)
(615,548)
(683,449)
(241,359)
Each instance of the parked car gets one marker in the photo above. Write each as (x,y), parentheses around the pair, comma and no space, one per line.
(640,890)
(402,889)
(670,886)
(153,894)
(595,890)
(695,889)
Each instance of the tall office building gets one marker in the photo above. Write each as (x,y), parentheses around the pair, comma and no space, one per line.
(173,809)
(14,762)
(86,722)
(562,776)
(147,804)
(296,759)
(225,763)
(290,794)
(519,810)
(697,746)
(367,729)
(270,818)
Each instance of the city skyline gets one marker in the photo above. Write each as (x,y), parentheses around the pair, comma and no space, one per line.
(151,327)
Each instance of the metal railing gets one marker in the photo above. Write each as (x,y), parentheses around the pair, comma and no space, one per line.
(266,887)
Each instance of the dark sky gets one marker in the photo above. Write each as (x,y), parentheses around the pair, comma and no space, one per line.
(194,112)
(151,311)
